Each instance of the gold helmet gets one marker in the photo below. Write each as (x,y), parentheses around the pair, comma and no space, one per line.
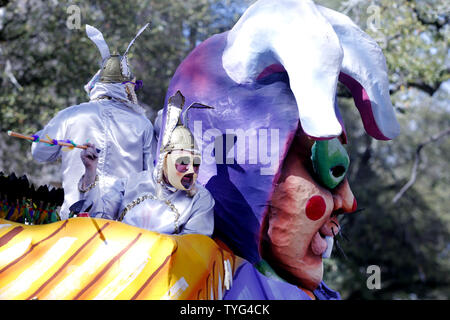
(182,139)
(112,72)
(115,67)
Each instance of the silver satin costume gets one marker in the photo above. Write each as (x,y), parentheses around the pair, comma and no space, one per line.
(191,214)
(121,130)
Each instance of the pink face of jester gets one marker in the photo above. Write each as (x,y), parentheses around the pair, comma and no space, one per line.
(302,216)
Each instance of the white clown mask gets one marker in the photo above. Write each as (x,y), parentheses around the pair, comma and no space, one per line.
(181,169)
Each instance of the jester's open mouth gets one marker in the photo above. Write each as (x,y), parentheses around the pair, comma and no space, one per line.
(323,240)
(322,245)
(187,180)
(318,244)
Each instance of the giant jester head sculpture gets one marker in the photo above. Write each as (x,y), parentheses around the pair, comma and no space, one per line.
(272,149)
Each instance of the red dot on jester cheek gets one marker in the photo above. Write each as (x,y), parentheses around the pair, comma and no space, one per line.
(355,205)
(315,208)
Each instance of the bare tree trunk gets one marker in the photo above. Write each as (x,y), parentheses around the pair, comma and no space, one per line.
(417,159)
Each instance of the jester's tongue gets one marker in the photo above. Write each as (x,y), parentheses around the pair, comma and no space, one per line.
(318,244)
(186,181)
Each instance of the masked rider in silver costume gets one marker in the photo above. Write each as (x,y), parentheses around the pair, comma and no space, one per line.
(112,120)
(166,200)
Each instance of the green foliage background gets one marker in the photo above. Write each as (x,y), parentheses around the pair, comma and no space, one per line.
(44,66)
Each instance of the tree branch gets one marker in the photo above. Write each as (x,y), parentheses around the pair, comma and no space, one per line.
(417,159)
(434,23)
(4,3)
(430,89)
(424,87)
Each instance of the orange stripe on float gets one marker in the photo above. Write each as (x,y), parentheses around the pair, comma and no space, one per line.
(153,275)
(32,247)
(34,294)
(11,234)
(107,267)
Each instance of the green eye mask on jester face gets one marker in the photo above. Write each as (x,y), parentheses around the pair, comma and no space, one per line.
(330,162)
